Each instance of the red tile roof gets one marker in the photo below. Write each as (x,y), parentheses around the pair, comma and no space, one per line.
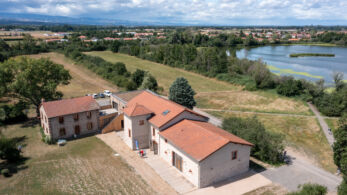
(69,106)
(199,139)
(137,110)
(159,105)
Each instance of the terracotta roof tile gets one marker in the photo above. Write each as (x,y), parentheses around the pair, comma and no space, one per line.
(69,106)
(199,139)
(164,110)
(137,110)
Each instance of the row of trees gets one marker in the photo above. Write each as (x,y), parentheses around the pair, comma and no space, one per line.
(340,152)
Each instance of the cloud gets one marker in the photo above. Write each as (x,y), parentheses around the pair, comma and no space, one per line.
(187,11)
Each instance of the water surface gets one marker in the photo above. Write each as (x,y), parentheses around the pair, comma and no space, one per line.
(312,68)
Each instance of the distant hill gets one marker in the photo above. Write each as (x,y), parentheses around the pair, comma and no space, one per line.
(11,18)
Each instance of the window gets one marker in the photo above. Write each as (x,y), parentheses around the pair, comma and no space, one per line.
(165,112)
(75,117)
(233,155)
(90,126)
(141,122)
(129,132)
(165,140)
(89,114)
(61,119)
(153,131)
(62,132)
(77,130)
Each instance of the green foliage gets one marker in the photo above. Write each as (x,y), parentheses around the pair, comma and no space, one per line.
(46,138)
(342,189)
(310,189)
(13,112)
(31,80)
(290,87)
(8,149)
(268,146)
(332,104)
(149,82)
(182,93)
(5,172)
(340,151)
(137,77)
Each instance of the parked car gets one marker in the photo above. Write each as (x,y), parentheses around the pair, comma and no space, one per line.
(95,96)
(101,95)
(107,93)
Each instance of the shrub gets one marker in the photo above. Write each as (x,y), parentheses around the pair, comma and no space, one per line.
(46,138)
(5,172)
(268,147)
(310,189)
(290,87)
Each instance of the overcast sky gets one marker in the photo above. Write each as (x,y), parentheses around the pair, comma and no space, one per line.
(218,12)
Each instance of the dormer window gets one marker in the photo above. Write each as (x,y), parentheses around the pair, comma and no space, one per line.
(166,112)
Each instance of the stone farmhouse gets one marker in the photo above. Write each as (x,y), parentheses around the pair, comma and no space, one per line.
(203,153)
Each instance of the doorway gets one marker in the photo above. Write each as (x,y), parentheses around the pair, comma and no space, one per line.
(77,130)
(177,161)
(155,147)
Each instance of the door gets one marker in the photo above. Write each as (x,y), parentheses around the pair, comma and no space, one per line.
(77,130)
(177,161)
(122,124)
(155,147)
(115,105)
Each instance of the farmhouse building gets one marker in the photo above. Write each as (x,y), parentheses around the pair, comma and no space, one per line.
(202,152)
(73,117)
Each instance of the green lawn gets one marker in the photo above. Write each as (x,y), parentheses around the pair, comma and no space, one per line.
(83,166)
(165,74)
(212,93)
(301,133)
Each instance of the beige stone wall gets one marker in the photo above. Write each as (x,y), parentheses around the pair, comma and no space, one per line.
(190,168)
(44,121)
(69,124)
(138,132)
(121,105)
(219,166)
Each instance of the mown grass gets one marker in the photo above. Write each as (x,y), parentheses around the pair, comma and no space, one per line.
(165,75)
(302,133)
(211,93)
(83,166)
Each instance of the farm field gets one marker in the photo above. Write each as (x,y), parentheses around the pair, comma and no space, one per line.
(301,133)
(212,93)
(83,166)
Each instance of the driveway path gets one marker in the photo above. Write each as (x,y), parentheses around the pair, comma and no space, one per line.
(141,167)
(299,172)
(323,124)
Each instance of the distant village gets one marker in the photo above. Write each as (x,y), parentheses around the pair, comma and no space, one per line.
(261,35)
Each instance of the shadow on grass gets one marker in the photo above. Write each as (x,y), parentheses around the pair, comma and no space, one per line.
(30,122)
(17,164)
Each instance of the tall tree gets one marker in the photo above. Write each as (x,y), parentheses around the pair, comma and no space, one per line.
(182,93)
(137,77)
(32,80)
(340,152)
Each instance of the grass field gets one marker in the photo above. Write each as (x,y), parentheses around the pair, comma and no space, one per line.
(165,74)
(83,166)
(211,93)
(83,80)
(301,133)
